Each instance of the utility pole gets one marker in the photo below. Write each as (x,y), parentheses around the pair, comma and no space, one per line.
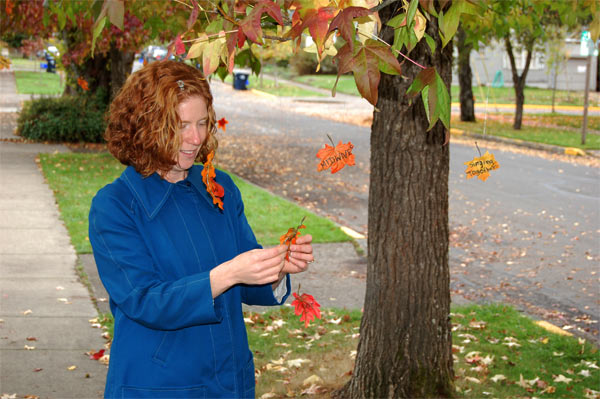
(586,101)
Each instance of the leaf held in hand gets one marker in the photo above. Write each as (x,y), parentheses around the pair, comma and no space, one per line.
(289,238)
(481,166)
(306,306)
(215,190)
(335,157)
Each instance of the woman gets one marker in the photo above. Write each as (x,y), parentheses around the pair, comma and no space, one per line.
(176,266)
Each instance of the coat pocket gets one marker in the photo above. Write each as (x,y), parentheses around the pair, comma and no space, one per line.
(165,347)
(197,392)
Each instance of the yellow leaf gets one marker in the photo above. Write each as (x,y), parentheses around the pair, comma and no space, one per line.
(552,328)
(313,379)
(562,378)
(71,368)
(498,377)
(481,166)
(197,47)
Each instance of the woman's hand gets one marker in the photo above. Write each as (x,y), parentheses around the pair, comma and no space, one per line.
(301,254)
(255,267)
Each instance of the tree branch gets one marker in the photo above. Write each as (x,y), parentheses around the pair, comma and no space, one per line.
(383,5)
(511,57)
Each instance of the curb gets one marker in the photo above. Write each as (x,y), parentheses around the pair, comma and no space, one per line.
(528,144)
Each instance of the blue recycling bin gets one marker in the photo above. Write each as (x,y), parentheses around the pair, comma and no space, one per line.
(240,80)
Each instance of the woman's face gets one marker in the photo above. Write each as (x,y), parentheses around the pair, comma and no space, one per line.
(193,114)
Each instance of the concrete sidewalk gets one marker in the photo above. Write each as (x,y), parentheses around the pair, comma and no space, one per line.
(44,308)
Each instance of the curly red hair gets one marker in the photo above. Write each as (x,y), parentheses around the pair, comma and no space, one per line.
(143,124)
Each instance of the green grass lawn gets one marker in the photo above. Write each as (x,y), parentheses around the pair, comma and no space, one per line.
(26,63)
(545,135)
(497,352)
(345,85)
(38,83)
(503,95)
(533,95)
(488,342)
(75,179)
(279,89)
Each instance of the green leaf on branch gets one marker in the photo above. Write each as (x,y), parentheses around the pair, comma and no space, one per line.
(430,42)
(422,80)
(98,26)
(438,101)
(449,22)
(412,11)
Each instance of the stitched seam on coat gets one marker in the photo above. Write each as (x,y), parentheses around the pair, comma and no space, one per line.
(188,233)
(212,339)
(139,197)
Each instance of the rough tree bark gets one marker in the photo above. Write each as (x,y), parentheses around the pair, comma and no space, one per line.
(405,347)
(120,68)
(518,81)
(465,77)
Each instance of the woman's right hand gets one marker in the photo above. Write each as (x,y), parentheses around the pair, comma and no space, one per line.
(255,267)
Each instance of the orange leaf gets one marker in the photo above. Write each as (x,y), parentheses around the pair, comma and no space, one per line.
(221,123)
(215,190)
(289,238)
(306,306)
(82,83)
(481,166)
(335,157)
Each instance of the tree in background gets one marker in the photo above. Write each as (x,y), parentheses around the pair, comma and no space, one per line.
(465,75)
(524,26)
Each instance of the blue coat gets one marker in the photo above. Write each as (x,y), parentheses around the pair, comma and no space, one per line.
(155,243)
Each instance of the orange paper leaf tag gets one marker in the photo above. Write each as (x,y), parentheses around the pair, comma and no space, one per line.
(481,166)
(335,157)
(306,306)
(215,190)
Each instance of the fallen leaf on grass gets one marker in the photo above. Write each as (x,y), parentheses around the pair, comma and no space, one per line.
(268,395)
(562,378)
(313,379)
(297,362)
(312,390)
(472,379)
(591,394)
(498,377)
(585,373)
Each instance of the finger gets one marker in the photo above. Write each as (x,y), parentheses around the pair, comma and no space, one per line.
(306,239)
(304,248)
(299,256)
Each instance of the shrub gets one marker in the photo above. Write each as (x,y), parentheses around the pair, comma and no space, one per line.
(306,64)
(65,119)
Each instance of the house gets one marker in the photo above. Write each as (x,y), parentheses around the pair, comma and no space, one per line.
(491,65)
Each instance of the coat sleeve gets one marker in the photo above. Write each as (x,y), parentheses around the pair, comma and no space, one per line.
(254,294)
(129,275)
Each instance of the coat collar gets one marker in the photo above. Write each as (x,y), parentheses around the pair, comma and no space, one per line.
(153,191)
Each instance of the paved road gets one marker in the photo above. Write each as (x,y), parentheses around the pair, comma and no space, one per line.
(528,235)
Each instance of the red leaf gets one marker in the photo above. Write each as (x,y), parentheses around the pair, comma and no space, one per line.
(97,355)
(364,63)
(335,157)
(179,46)
(317,23)
(9,7)
(222,123)
(270,8)
(306,306)
(344,23)
(194,15)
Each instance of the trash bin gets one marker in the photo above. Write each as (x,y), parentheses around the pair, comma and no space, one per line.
(51,64)
(240,80)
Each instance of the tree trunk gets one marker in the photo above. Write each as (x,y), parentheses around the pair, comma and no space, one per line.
(121,63)
(405,348)
(465,77)
(518,80)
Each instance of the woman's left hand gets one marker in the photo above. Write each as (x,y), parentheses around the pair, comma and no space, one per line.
(301,254)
